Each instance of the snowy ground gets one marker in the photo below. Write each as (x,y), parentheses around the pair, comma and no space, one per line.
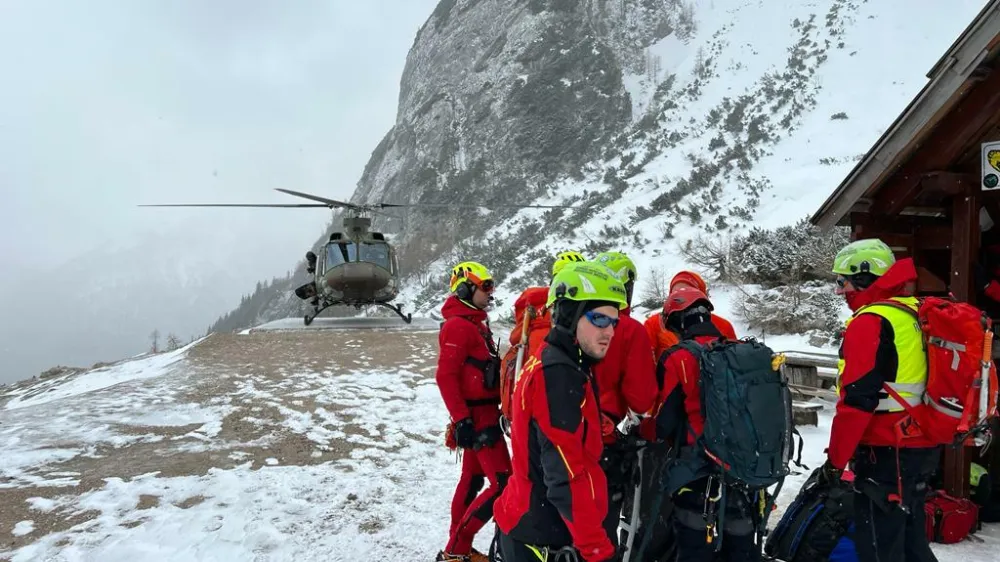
(285,445)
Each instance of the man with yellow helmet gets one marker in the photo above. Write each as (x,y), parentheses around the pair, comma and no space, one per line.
(556,500)
(468,376)
(882,347)
(627,381)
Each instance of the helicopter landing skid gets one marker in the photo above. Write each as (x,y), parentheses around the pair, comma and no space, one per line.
(398,309)
(316,310)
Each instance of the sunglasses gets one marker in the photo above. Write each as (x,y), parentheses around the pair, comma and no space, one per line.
(600,320)
(842,281)
(487,286)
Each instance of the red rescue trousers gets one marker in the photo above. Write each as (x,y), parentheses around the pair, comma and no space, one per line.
(470,510)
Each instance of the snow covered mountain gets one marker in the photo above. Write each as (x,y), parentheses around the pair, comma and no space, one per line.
(663,122)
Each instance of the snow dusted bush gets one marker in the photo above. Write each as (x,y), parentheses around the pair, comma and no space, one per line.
(786,255)
(811,308)
(786,280)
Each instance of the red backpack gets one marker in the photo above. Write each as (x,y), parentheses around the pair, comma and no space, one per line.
(961,393)
(533,325)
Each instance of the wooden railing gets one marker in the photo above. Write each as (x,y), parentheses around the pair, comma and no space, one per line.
(810,375)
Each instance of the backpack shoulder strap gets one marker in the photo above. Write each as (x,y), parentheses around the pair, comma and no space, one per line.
(891,303)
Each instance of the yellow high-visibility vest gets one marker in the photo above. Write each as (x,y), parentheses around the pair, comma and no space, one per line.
(911,353)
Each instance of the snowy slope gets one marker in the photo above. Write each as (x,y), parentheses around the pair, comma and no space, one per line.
(300,445)
(769,106)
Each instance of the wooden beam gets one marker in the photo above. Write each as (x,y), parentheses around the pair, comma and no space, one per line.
(949,183)
(925,211)
(965,245)
(965,222)
(867,224)
(945,144)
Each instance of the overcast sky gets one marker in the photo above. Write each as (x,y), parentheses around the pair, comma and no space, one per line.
(108,104)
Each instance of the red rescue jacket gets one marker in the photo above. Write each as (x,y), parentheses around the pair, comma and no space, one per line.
(870,360)
(679,399)
(626,377)
(557,493)
(464,335)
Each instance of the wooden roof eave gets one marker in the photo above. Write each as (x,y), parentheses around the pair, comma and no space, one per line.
(947,78)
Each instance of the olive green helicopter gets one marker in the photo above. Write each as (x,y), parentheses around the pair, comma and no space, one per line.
(356,267)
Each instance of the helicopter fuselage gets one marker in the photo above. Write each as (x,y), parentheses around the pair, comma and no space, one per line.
(357,282)
(357,271)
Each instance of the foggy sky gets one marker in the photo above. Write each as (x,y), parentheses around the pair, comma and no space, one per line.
(106,104)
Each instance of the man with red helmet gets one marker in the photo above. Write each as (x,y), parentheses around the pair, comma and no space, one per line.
(626,381)
(663,338)
(679,419)
(468,376)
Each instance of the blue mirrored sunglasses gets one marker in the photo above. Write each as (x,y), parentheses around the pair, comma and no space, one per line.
(600,320)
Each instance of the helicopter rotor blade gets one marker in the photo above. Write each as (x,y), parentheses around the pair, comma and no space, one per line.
(286,205)
(328,202)
(382,213)
(465,205)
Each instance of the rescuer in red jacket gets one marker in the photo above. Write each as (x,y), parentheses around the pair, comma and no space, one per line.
(556,502)
(661,337)
(882,346)
(626,381)
(468,376)
(678,417)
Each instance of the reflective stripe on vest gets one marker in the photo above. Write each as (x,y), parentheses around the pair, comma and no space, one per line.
(911,372)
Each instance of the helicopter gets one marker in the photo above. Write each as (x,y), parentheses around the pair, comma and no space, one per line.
(356,267)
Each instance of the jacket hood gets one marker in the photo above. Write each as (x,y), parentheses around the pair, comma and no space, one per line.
(454,307)
(899,281)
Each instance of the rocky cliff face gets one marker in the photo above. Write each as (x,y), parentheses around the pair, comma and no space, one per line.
(498,98)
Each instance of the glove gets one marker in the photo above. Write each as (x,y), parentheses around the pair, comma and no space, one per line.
(465,433)
(830,474)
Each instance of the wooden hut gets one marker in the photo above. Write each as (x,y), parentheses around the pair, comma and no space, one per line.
(922,186)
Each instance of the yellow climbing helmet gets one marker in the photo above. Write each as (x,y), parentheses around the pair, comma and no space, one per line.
(471,272)
(620,264)
(587,281)
(563,258)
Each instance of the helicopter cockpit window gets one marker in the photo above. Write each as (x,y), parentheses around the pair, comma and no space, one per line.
(377,254)
(337,254)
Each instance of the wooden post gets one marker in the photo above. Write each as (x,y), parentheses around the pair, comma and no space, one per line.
(965,248)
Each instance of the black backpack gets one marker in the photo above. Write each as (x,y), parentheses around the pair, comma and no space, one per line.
(747,408)
(815,524)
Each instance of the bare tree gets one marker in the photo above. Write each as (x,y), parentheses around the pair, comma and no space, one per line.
(711,253)
(154,338)
(656,289)
(173,342)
